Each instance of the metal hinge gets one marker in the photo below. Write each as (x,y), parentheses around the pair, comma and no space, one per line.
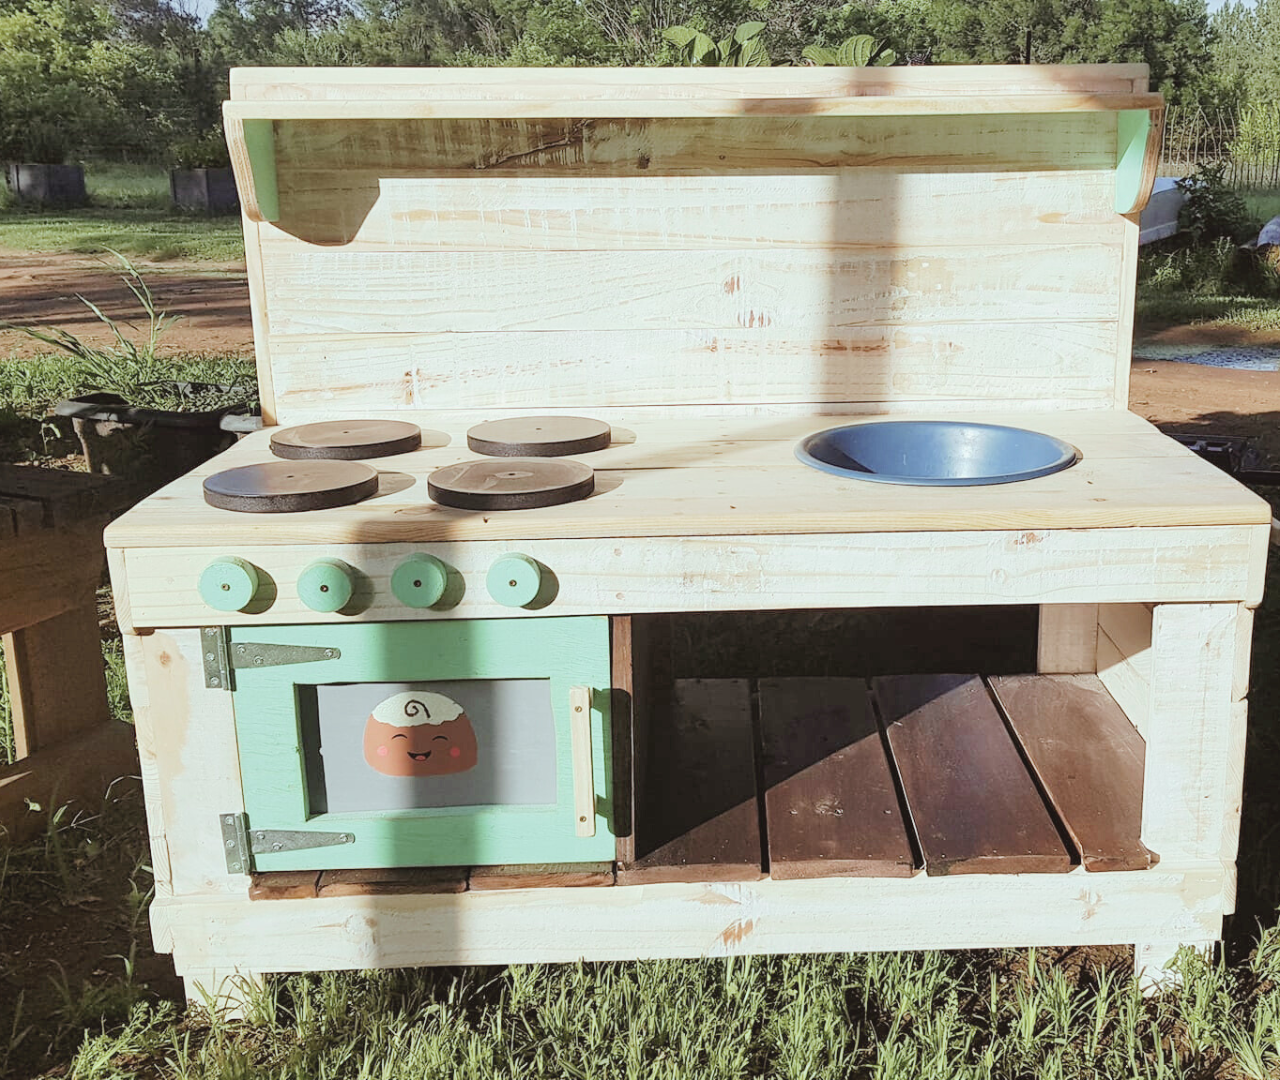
(242,843)
(221,658)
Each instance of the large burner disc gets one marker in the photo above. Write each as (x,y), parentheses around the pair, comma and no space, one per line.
(539,436)
(346,440)
(510,484)
(282,487)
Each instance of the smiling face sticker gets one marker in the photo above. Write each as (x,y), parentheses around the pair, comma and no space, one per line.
(419,734)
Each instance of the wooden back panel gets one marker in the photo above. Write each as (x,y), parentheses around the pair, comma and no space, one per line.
(730,262)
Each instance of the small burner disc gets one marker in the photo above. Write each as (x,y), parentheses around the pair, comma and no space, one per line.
(282,487)
(346,440)
(539,436)
(510,484)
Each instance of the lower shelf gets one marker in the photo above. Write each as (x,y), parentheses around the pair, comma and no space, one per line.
(737,779)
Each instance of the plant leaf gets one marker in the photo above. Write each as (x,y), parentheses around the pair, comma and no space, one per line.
(885,59)
(754,54)
(679,36)
(819,55)
(747,31)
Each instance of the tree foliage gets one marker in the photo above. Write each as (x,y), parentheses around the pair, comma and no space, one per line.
(1246,51)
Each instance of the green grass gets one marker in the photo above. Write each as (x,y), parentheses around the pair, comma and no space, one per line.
(1263,205)
(130,213)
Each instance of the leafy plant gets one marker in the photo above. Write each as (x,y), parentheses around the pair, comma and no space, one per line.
(742,48)
(131,370)
(207,150)
(861,50)
(1213,209)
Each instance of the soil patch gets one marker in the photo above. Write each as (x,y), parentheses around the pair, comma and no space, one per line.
(44,290)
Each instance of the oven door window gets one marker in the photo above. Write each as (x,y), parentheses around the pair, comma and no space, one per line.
(442,743)
(414,746)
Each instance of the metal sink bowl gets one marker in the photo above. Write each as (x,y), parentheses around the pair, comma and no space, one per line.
(936,453)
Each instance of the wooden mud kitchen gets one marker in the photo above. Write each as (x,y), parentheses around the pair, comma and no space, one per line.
(566,371)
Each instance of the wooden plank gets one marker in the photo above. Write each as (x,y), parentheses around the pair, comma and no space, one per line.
(547,875)
(284,885)
(861,105)
(868,210)
(697,919)
(1089,760)
(1068,638)
(697,818)
(831,803)
(57,687)
(982,363)
(1189,739)
(66,497)
(153,805)
(25,516)
(654,147)
(975,808)
(785,292)
(49,573)
(735,572)
(502,84)
(55,776)
(393,881)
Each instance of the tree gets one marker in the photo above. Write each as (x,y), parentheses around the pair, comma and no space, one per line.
(1246,51)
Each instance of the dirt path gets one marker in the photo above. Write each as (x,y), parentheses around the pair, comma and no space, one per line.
(41,290)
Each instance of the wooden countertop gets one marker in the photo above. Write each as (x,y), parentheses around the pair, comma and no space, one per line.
(709,476)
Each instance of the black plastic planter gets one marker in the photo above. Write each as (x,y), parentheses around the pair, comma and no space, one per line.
(149,447)
(47,185)
(208,191)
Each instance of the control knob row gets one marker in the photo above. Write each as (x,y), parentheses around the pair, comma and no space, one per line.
(230,583)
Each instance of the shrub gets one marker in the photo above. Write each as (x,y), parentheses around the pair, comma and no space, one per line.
(1213,209)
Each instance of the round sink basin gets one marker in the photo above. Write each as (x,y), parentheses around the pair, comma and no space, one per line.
(937,453)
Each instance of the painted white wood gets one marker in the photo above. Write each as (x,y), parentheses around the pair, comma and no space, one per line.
(1124,658)
(145,731)
(192,741)
(1068,639)
(626,922)
(872,211)
(1189,729)
(632,575)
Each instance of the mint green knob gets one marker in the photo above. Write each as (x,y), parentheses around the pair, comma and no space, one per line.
(420,580)
(326,585)
(514,580)
(229,584)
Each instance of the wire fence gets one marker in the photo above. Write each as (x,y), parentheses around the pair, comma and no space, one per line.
(1246,140)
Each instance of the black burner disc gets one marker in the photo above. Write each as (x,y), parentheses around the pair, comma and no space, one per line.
(347,440)
(510,484)
(539,436)
(283,487)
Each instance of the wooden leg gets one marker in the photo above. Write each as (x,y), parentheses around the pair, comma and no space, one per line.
(226,993)
(1068,642)
(56,678)
(1151,962)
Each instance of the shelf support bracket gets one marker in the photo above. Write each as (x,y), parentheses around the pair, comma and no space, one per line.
(1138,137)
(252,145)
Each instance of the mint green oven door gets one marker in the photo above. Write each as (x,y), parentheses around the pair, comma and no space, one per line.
(444,743)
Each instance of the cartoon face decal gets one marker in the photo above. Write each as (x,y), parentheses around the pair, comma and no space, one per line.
(419,734)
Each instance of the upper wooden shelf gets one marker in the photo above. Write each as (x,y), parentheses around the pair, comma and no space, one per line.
(263,97)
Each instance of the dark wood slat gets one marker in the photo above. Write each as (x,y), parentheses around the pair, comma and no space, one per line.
(544,875)
(64,497)
(696,815)
(284,885)
(830,799)
(975,807)
(1089,759)
(392,880)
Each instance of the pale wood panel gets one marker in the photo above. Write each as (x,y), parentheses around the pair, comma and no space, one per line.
(657,147)
(1124,658)
(1068,641)
(1188,735)
(506,84)
(145,731)
(352,374)
(193,743)
(629,922)
(455,108)
(778,292)
(622,576)
(864,209)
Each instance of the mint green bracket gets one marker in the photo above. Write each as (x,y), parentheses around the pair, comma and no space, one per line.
(260,146)
(1132,130)
(569,652)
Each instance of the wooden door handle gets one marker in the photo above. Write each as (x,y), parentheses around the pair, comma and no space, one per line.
(584,785)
